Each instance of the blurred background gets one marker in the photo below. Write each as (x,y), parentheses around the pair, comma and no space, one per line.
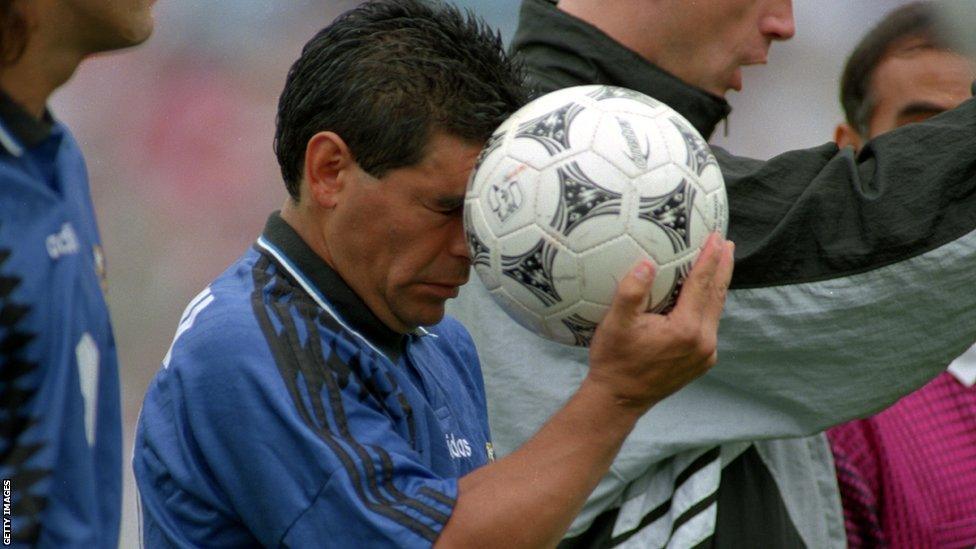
(178,137)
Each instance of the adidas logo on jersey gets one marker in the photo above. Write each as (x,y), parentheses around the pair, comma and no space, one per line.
(458,447)
(62,243)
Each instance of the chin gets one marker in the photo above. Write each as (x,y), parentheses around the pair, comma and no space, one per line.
(139,33)
(426,322)
(429,317)
(133,34)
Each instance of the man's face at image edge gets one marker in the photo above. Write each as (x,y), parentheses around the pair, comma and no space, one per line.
(916,83)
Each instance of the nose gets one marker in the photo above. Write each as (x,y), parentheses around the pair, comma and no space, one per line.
(778,23)
(458,244)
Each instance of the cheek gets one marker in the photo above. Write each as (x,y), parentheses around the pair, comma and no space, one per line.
(882,122)
(418,252)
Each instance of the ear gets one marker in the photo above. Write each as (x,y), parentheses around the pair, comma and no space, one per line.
(328,162)
(846,136)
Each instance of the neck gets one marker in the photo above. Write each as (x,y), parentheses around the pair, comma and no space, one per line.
(303,222)
(46,64)
(31,84)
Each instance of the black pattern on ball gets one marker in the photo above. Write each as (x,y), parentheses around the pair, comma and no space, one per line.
(699,155)
(493,144)
(480,253)
(613,92)
(665,306)
(581,328)
(551,130)
(580,199)
(533,270)
(672,213)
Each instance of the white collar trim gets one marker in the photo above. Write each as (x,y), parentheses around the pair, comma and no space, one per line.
(964,367)
(7,141)
(313,292)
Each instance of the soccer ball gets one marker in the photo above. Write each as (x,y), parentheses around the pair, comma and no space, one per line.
(573,190)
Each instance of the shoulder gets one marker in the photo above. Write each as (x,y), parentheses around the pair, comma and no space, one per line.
(218,329)
(220,372)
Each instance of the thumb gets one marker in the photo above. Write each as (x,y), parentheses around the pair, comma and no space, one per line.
(634,291)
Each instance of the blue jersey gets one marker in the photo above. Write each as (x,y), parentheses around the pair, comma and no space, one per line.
(60,442)
(287,414)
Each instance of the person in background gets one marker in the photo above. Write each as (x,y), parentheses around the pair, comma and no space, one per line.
(907,475)
(60,423)
(831,246)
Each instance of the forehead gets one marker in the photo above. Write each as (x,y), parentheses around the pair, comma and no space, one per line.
(937,76)
(445,168)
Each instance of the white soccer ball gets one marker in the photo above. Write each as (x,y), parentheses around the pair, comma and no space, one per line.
(573,190)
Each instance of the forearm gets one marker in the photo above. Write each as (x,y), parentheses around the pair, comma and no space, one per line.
(529,498)
(853,276)
(821,213)
(636,360)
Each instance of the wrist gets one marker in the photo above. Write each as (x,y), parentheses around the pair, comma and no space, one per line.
(619,409)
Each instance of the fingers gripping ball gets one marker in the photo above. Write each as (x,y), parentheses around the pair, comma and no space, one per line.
(576,188)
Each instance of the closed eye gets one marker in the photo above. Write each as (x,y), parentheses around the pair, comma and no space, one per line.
(453,205)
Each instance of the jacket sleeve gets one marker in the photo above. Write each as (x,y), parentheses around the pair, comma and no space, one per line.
(852,288)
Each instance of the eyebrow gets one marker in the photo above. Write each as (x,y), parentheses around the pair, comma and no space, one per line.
(920,108)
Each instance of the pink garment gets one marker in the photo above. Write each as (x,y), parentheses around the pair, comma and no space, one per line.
(907,476)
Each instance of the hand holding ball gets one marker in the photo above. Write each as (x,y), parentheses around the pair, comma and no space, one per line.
(576,188)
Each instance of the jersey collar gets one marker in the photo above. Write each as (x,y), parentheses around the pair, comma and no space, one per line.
(20,130)
(327,287)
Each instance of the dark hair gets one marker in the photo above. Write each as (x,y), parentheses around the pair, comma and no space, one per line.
(916,20)
(387,74)
(13,32)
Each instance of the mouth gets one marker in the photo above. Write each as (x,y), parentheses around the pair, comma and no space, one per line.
(735,80)
(442,290)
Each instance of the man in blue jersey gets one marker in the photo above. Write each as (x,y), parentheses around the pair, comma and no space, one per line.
(315,395)
(60,422)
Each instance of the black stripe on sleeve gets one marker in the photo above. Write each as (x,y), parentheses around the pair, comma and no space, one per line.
(292,360)
(413,503)
(342,424)
(600,533)
(694,511)
(437,496)
(315,380)
(698,464)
